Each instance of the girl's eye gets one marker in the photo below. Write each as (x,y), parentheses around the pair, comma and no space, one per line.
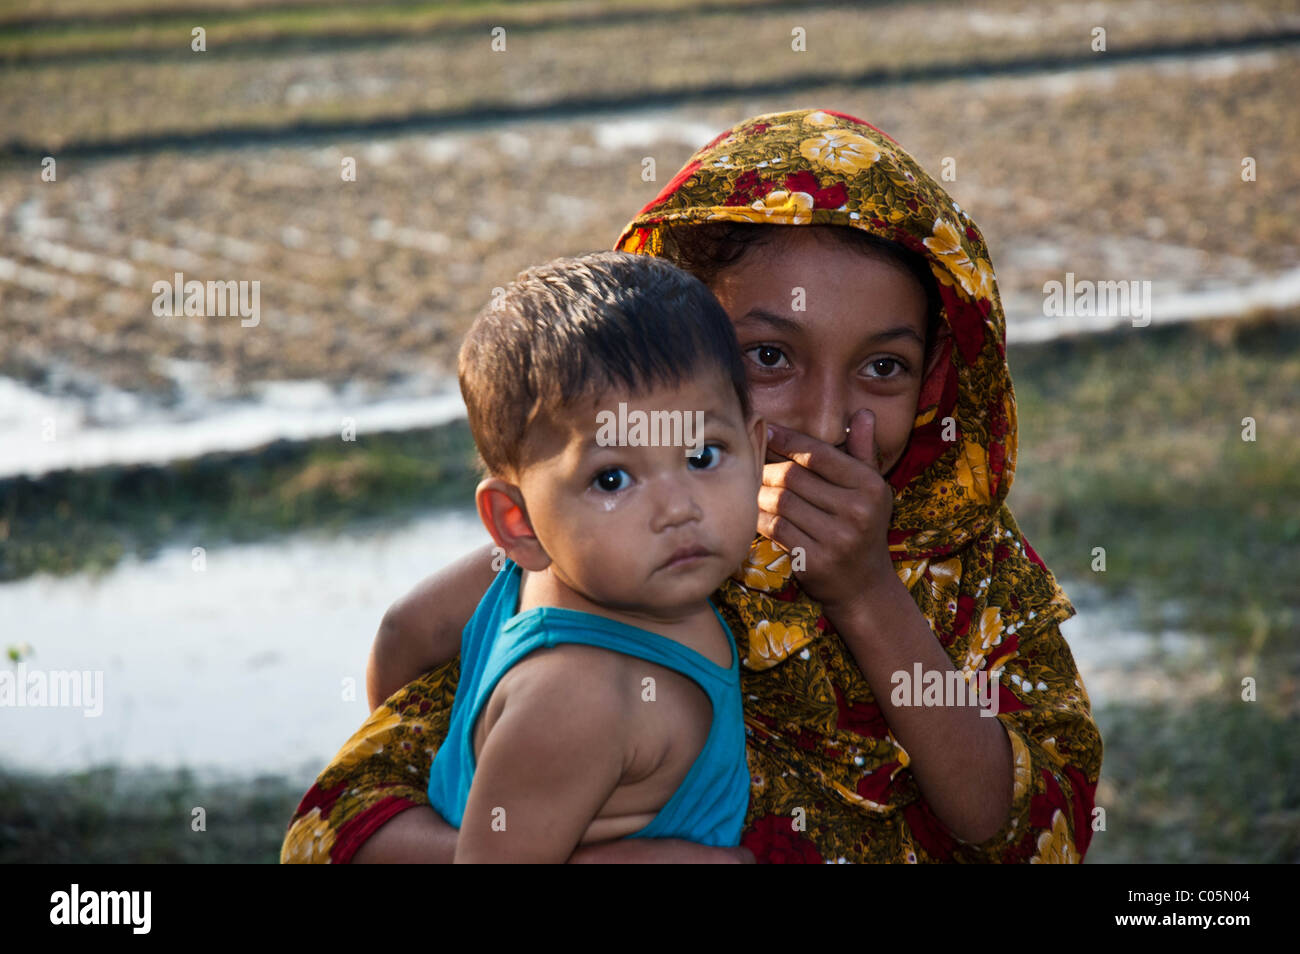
(612,480)
(707,459)
(889,361)
(765,356)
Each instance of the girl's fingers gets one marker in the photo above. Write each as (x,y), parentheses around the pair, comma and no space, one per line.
(782,531)
(821,458)
(798,480)
(861,444)
(809,520)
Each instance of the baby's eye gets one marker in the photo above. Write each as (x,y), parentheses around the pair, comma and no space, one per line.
(707,459)
(765,356)
(611,480)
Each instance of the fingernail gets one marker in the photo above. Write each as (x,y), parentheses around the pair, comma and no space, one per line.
(769,432)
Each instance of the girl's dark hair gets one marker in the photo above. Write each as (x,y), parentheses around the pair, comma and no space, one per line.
(710,249)
(581,326)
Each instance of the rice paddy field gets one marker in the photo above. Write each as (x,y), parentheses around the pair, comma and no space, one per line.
(473,163)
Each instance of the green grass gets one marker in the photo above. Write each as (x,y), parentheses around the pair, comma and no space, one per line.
(1133,442)
(1214,780)
(108,816)
(68,521)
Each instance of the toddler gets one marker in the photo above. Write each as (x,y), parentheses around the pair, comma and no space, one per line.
(599,695)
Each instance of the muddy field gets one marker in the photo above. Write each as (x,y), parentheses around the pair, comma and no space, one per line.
(1130,172)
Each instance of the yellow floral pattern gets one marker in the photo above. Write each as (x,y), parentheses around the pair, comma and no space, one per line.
(840,151)
(975,275)
(369,739)
(789,208)
(972,472)
(1055,846)
(767,567)
(309,841)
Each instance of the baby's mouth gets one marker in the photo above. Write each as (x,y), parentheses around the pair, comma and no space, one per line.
(685,556)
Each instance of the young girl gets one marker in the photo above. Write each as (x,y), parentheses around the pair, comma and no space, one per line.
(866,305)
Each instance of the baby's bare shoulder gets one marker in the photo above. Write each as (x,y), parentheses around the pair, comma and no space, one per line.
(573,680)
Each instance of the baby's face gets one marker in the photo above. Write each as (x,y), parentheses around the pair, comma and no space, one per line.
(645,529)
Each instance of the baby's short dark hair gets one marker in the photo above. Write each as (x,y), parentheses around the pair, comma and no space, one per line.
(580,327)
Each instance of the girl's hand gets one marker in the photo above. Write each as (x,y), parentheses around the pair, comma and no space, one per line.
(836,507)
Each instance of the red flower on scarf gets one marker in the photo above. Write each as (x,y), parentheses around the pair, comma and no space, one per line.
(750,187)
(824,197)
(774,841)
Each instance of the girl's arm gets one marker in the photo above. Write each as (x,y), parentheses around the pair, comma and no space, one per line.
(1017,787)
(420,836)
(962,760)
(423,628)
(416,836)
(981,777)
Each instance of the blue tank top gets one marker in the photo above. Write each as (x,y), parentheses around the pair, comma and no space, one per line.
(708,807)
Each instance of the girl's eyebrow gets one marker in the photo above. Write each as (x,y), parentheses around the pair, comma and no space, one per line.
(899,332)
(780,322)
(790,326)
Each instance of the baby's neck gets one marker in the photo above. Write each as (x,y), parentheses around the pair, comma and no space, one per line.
(545,589)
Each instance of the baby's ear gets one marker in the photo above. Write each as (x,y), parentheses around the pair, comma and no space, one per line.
(758,437)
(501,508)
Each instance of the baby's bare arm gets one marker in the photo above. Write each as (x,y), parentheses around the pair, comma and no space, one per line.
(557,750)
(423,628)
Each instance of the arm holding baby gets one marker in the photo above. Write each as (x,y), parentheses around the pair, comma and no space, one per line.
(423,629)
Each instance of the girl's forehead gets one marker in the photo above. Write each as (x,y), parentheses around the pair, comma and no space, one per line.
(800,277)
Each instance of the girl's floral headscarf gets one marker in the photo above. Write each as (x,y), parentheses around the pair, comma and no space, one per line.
(955,544)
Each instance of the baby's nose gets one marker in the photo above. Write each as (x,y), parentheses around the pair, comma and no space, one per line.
(675,503)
